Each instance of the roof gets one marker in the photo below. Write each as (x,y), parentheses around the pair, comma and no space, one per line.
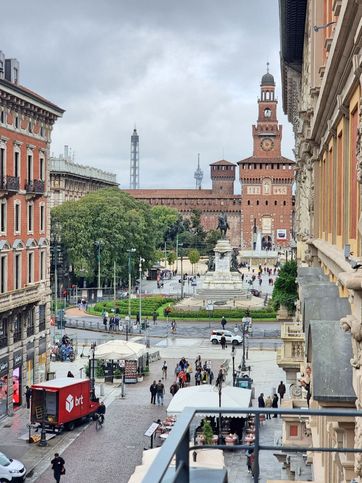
(292,14)
(222,162)
(59,383)
(330,352)
(17,88)
(255,159)
(267,80)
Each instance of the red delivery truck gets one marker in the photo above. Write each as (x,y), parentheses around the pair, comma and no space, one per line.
(61,403)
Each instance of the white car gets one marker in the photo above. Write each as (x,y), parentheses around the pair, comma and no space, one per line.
(11,470)
(229,336)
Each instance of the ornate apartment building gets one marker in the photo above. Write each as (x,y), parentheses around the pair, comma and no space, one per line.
(70,181)
(321,66)
(26,122)
(265,206)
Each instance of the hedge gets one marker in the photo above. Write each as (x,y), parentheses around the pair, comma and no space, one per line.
(149,305)
(218,313)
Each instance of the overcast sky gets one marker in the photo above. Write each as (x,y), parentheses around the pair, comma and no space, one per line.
(187,74)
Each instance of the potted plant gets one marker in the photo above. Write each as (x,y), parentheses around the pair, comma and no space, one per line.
(117,374)
(207,432)
(139,377)
(100,372)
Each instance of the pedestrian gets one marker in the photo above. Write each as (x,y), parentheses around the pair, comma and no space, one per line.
(58,467)
(154,317)
(223,322)
(160,391)
(164,370)
(275,403)
(268,404)
(198,377)
(261,402)
(70,374)
(27,396)
(105,320)
(223,341)
(153,391)
(174,388)
(281,390)
(250,459)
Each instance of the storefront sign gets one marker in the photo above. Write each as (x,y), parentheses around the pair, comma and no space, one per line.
(4,366)
(18,358)
(42,345)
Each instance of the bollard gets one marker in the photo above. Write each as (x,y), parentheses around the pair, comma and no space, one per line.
(101,389)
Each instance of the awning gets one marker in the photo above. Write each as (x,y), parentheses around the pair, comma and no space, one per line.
(208,396)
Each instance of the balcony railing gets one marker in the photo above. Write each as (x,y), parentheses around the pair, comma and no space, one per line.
(9,184)
(35,187)
(3,341)
(178,442)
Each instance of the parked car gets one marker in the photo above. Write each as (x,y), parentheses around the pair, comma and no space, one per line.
(11,470)
(229,336)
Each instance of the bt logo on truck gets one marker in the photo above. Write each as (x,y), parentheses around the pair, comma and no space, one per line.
(71,401)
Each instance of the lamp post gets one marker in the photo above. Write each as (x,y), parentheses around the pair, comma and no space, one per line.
(245,326)
(130,251)
(219,381)
(233,358)
(97,243)
(182,272)
(139,290)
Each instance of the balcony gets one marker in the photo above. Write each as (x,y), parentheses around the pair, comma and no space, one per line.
(291,354)
(9,185)
(17,298)
(35,187)
(172,462)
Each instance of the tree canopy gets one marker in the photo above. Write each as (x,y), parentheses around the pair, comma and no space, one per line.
(113,218)
(285,290)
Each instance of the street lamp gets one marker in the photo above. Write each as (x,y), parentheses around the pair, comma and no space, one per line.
(233,358)
(182,272)
(245,326)
(98,247)
(139,290)
(219,381)
(130,251)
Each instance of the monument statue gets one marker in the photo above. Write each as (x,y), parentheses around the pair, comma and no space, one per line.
(223,224)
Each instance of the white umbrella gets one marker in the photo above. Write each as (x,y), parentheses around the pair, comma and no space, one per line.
(208,396)
(119,350)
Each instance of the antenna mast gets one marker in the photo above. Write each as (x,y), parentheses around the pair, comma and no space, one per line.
(134,172)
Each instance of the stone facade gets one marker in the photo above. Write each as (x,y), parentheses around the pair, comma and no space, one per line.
(26,122)
(266,202)
(70,181)
(322,81)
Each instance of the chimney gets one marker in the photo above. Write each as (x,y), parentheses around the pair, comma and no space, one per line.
(12,70)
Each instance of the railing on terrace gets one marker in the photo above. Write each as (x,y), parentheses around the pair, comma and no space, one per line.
(178,442)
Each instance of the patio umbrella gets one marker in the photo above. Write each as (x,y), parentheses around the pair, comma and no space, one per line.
(208,396)
(119,350)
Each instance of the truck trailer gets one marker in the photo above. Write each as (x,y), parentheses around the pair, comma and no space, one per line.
(62,403)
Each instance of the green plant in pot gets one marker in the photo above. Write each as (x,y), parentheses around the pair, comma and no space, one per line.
(117,374)
(207,431)
(100,370)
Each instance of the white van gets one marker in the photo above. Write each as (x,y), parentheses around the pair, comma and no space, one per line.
(11,470)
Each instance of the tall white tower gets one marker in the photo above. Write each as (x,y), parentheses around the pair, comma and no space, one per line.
(134,172)
(198,175)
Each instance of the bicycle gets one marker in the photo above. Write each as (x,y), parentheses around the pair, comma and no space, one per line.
(99,422)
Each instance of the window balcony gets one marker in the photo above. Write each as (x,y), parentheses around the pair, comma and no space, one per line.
(35,187)
(9,185)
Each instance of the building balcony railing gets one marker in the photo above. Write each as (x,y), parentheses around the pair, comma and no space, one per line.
(9,184)
(30,294)
(35,187)
(3,341)
(178,443)
(291,331)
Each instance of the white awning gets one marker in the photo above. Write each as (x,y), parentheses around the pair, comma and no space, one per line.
(117,350)
(208,396)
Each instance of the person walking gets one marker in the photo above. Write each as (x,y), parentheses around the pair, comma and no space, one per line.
(153,391)
(160,391)
(27,396)
(223,341)
(58,467)
(261,402)
(174,388)
(164,370)
(198,377)
(154,317)
(223,322)
(281,390)
(275,404)
(268,404)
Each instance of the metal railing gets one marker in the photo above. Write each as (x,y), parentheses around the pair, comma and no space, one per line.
(9,183)
(178,442)
(36,186)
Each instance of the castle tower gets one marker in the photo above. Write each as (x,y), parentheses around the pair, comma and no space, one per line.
(223,177)
(134,172)
(198,175)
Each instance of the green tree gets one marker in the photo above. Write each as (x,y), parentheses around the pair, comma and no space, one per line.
(164,221)
(207,431)
(171,257)
(285,290)
(194,257)
(212,237)
(113,218)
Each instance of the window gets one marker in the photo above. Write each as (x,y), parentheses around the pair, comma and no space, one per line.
(41,168)
(42,218)
(284,203)
(266,203)
(3,273)
(249,202)
(3,333)
(29,168)
(3,216)
(30,324)
(257,202)
(17,271)
(17,214)
(2,117)
(16,164)
(30,127)
(275,202)
(42,265)
(17,329)
(41,318)
(293,430)
(42,131)
(16,122)
(30,277)
(30,217)
(2,162)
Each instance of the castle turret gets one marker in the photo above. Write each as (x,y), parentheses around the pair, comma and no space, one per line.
(223,177)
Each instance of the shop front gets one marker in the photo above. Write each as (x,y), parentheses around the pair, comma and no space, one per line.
(4,369)
(42,360)
(17,378)
(30,363)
